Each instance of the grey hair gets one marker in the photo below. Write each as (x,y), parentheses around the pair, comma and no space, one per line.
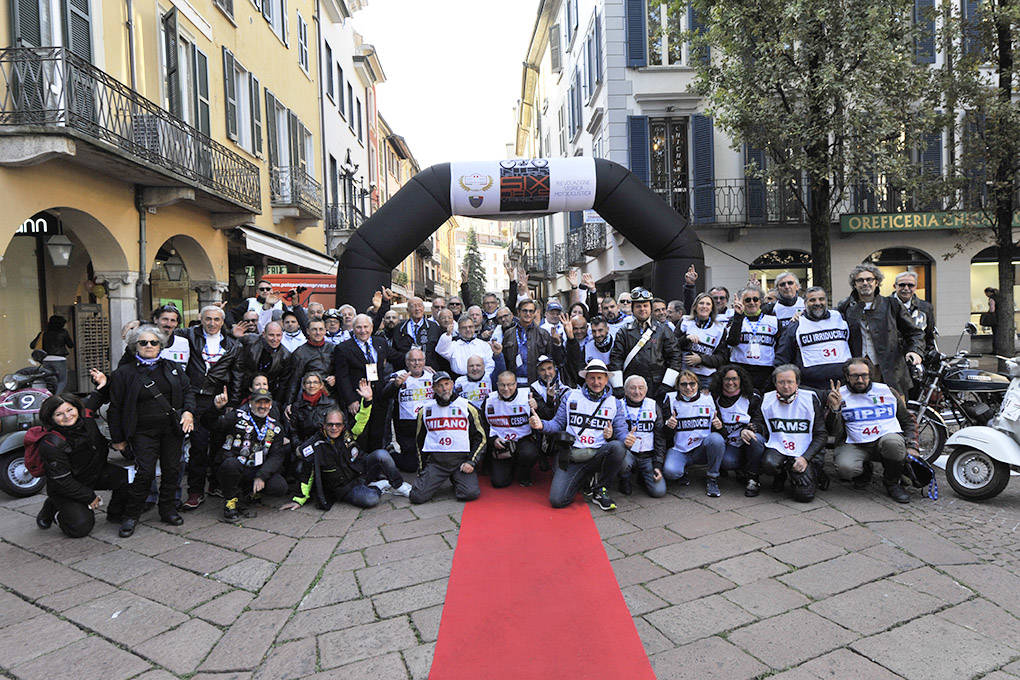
(407,355)
(343,307)
(359,317)
(753,289)
(906,273)
(784,275)
(866,267)
(145,328)
(783,368)
(633,379)
(211,308)
(815,289)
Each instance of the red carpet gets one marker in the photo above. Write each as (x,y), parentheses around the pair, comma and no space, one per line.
(532,596)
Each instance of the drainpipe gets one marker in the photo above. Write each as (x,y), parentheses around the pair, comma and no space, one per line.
(322,117)
(130,24)
(142,215)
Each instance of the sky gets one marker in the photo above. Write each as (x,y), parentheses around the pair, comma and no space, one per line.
(453,72)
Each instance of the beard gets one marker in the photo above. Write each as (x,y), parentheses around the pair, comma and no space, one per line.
(816,315)
(444,401)
(856,388)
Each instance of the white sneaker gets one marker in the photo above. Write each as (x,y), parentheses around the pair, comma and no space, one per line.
(402,490)
(383,486)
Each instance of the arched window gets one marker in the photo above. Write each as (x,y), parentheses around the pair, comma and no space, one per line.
(893,261)
(775,262)
(984,273)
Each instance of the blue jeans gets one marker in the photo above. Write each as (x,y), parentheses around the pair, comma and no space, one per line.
(609,461)
(362,496)
(379,465)
(746,456)
(710,453)
(645,467)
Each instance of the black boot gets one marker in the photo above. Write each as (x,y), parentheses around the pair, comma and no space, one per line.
(44,520)
(863,480)
(127,527)
(779,481)
(626,488)
(891,474)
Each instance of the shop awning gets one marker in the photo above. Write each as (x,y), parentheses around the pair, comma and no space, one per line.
(287,250)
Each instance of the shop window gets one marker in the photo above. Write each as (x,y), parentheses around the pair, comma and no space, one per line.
(893,261)
(21,314)
(984,273)
(775,262)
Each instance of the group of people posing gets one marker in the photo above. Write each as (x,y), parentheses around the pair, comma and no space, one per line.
(272,398)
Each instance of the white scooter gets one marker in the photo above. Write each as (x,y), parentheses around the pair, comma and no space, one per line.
(982,458)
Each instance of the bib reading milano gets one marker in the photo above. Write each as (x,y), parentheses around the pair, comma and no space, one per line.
(693,420)
(790,425)
(508,419)
(583,413)
(413,394)
(641,419)
(447,427)
(870,415)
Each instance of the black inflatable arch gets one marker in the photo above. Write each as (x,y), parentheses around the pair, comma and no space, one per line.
(424,203)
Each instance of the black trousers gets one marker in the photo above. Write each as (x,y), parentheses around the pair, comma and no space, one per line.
(439,468)
(234,477)
(523,459)
(75,518)
(803,485)
(407,458)
(203,445)
(375,430)
(161,445)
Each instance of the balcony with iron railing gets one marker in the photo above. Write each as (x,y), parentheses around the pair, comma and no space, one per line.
(342,220)
(296,192)
(538,264)
(49,91)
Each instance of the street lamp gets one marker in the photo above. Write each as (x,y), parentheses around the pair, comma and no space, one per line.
(59,247)
(174,267)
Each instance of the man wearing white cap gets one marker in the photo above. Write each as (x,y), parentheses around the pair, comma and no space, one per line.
(596,429)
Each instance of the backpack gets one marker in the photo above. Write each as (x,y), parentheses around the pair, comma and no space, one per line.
(33,461)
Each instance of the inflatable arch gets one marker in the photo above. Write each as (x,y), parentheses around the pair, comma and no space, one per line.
(515,189)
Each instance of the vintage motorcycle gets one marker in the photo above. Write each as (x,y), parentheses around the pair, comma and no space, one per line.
(983,457)
(22,396)
(953,393)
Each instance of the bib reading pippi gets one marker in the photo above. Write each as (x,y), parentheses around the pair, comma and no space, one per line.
(447,427)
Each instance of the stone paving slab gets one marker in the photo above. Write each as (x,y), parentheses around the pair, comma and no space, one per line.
(181,650)
(709,658)
(247,641)
(369,640)
(687,622)
(791,638)
(91,658)
(876,606)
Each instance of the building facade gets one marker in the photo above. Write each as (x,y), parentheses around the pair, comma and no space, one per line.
(494,239)
(169,155)
(614,80)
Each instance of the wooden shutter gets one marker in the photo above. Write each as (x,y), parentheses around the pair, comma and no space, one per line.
(555,55)
(272,140)
(755,185)
(924,19)
(971,30)
(637,41)
(171,44)
(703,168)
(256,114)
(598,48)
(702,54)
(27,23)
(267,10)
(931,154)
(78,28)
(638,153)
(201,90)
(230,93)
(293,137)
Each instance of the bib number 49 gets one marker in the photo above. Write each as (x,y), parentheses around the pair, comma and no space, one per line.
(446,441)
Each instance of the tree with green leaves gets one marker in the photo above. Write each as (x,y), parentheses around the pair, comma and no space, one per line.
(474,267)
(976,87)
(820,93)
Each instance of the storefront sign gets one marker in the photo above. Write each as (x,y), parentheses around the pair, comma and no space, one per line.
(592,217)
(917,221)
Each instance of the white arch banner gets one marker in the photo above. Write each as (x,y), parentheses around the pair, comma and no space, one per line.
(516,186)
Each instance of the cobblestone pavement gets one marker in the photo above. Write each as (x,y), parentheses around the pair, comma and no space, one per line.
(852,585)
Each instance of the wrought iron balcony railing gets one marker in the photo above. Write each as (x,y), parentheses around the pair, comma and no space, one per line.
(343,216)
(538,265)
(593,238)
(560,259)
(575,242)
(291,186)
(49,90)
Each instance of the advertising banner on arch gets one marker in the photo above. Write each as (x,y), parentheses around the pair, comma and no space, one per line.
(535,185)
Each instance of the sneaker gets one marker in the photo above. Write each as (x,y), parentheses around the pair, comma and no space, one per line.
(215,491)
(382,485)
(195,499)
(683,480)
(525,481)
(752,489)
(601,498)
(230,511)
(402,490)
(712,487)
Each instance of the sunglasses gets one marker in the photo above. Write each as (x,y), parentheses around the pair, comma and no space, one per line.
(332,425)
(788,283)
(148,343)
(456,304)
(906,285)
(752,299)
(687,383)
(263,289)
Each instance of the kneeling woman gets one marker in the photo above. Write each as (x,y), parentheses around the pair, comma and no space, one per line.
(339,469)
(740,413)
(74,454)
(152,407)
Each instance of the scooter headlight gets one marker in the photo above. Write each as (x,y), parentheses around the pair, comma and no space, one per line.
(10,382)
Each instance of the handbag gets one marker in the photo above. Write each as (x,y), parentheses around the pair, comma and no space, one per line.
(987,319)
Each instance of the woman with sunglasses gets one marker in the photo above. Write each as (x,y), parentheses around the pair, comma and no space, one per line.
(152,407)
(752,336)
(700,337)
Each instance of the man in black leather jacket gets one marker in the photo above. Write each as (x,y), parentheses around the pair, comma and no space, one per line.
(266,354)
(536,342)
(658,359)
(314,355)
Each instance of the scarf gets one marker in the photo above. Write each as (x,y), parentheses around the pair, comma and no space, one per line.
(312,400)
(142,361)
(317,344)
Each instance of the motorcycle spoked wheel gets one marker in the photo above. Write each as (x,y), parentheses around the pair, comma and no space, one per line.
(931,434)
(974,475)
(15,478)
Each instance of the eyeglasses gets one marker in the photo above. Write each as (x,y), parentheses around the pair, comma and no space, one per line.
(332,425)
(718,297)
(865,279)
(857,376)
(687,383)
(906,285)
(455,304)
(148,343)
(752,299)
(788,283)
(264,289)
(731,379)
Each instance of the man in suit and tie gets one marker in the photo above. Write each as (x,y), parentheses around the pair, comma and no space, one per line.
(417,331)
(365,356)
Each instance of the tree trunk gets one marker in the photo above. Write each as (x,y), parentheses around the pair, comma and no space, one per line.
(818,223)
(1005,184)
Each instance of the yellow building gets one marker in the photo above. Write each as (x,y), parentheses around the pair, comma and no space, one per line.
(173,143)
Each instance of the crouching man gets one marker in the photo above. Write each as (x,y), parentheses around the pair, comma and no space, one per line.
(254,451)
(872,422)
(593,419)
(511,445)
(795,434)
(451,441)
(339,470)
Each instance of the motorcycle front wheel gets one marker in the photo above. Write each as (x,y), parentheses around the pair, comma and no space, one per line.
(15,479)
(974,475)
(931,434)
